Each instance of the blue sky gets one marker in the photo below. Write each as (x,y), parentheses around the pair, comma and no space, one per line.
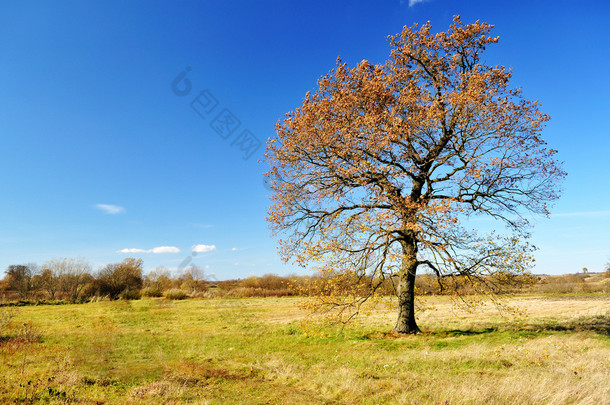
(100,155)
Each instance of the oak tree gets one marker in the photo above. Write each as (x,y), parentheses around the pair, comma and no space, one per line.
(380,170)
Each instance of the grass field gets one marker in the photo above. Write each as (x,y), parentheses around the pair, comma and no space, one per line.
(265,351)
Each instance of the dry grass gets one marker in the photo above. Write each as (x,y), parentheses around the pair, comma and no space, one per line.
(264,351)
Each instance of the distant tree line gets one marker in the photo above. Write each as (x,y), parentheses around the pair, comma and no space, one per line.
(73,280)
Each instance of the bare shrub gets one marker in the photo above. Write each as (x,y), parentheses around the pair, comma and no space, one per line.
(152,292)
(157,281)
(175,294)
(67,277)
(6,317)
(192,281)
(30,333)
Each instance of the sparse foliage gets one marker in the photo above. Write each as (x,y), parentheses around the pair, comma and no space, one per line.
(66,276)
(156,282)
(20,278)
(193,280)
(384,165)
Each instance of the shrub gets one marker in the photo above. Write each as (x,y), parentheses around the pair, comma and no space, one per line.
(175,294)
(6,316)
(158,280)
(114,279)
(30,333)
(131,295)
(152,292)
(244,292)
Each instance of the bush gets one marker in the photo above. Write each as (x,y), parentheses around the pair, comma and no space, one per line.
(175,294)
(114,279)
(152,292)
(131,295)
(158,280)
(6,316)
(244,292)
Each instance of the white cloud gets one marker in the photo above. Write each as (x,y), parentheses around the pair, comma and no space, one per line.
(234,249)
(203,248)
(156,250)
(110,209)
(165,249)
(414,2)
(132,250)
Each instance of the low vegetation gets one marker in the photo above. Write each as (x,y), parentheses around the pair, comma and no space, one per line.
(128,338)
(265,350)
(72,280)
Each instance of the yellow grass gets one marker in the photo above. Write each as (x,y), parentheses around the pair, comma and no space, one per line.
(266,351)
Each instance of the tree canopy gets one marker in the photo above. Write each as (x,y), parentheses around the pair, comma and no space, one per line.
(379,170)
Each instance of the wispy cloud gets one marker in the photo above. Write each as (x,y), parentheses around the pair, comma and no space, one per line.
(582,214)
(110,209)
(234,249)
(203,248)
(156,250)
(414,2)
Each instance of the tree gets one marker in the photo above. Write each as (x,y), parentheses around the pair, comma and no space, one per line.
(118,278)
(157,281)
(384,166)
(48,282)
(68,276)
(193,280)
(20,278)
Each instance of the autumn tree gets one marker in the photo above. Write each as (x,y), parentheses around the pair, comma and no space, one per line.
(193,280)
(157,281)
(380,170)
(48,282)
(120,278)
(66,276)
(20,278)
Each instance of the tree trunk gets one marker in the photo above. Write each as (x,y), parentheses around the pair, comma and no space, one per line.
(406,293)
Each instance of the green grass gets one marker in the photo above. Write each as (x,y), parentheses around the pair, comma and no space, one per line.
(234,351)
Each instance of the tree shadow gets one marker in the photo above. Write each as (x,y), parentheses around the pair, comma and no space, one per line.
(599,324)
(466,332)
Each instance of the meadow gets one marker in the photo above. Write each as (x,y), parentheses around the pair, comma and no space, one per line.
(267,351)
